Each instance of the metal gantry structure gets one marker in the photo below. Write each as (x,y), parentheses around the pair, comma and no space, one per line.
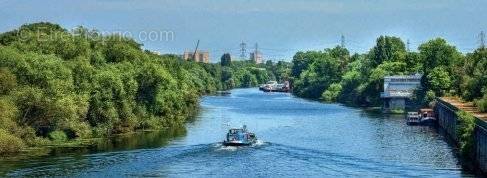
(243,50)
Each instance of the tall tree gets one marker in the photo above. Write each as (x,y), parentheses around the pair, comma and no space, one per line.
(388,48)
(437,53)
(226,59)
(340,53)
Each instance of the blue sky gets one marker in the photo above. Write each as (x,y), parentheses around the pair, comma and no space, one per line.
(280,27)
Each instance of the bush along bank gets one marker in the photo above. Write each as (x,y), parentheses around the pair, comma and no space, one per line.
(58,86)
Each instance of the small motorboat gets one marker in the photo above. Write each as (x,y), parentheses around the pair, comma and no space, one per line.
(423,117)
(239,137)
(427,116)
(413,118)
(273,86)
(268,86)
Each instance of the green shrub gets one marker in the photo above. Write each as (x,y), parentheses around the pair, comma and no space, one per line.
(76,129)
(9,143)
(38,141)
(397,111)
(102,130)
(482,104)
(331,93)
(8,81)
(430,96)
(58,136)
(465,132)
(8,113)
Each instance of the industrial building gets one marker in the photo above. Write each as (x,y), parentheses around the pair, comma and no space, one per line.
(199,56)
(398,91)
(256,57)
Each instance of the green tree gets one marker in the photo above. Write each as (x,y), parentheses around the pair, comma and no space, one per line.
(438,53)
(302,60)
(331,94)
(474,74)
(324,71)
(341,54)
(439,81)
(388,49)
(8,81)
(226,59)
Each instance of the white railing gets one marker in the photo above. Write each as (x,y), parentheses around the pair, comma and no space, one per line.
(389,94)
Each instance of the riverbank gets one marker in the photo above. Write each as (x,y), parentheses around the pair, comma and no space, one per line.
(463,122)
(128,141)
(58,86)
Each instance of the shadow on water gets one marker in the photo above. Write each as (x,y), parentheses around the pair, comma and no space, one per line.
(138,140)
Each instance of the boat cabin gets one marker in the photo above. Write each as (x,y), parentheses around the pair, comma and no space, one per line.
(236,134)
(413,118)
(239,135)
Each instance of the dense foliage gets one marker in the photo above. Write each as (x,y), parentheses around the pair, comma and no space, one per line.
(57,85)
(466,126)
(245,73)
(333,75)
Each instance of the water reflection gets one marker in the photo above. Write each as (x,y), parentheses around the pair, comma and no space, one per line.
(301,138)
(65,156)
(140,140)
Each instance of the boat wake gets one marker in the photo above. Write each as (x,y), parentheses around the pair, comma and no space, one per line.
(258,143)
(261,159)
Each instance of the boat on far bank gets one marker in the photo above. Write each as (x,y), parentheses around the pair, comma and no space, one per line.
(239,137)
(423,117)
(273,86)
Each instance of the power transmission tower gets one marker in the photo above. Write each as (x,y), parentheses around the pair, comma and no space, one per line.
(482,39)
(407,46)
(243,50)
(342,41)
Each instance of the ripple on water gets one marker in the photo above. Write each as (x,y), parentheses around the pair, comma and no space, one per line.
(302,139)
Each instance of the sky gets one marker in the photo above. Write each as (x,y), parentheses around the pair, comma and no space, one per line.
(279,27)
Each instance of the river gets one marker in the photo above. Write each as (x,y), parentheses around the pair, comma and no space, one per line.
(297,137)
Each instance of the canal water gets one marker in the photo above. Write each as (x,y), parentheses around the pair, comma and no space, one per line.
(297,138)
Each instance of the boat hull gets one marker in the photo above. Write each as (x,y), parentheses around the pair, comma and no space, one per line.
(238,143)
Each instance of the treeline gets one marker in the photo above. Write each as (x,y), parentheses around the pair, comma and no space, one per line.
(57,85)
(335,75)
(245,73)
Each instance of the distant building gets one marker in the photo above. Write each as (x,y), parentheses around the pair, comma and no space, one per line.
(398,91)
(201,56)
(256,57)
